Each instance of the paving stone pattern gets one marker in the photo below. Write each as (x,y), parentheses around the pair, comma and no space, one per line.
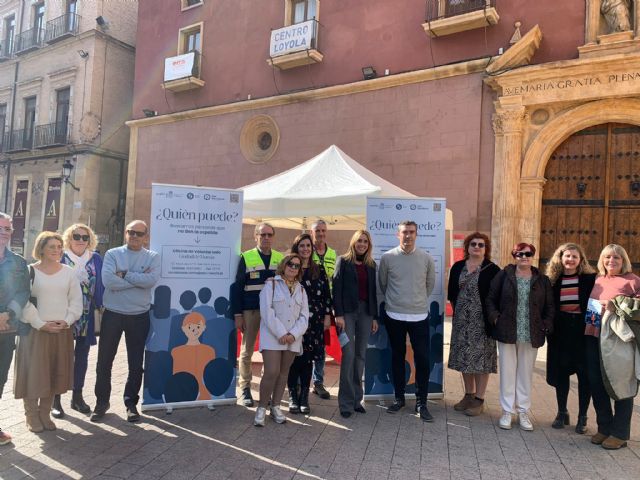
(199,444)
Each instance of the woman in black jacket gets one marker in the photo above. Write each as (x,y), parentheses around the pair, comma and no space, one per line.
(473,351)
(520,307)
(572,278)
(355,305)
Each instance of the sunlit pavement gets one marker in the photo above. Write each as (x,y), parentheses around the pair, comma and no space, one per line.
(201,444)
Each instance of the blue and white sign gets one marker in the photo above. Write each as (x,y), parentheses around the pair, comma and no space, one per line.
(383,216)
(191,349)
(293,38)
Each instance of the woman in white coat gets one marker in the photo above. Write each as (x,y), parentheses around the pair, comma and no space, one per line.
(284,313)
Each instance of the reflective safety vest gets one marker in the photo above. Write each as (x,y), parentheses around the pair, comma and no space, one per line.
(328,262)
(256,273)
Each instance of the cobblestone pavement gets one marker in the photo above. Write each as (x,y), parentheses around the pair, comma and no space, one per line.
(222,444)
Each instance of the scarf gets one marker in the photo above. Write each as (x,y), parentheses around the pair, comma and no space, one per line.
(80,265)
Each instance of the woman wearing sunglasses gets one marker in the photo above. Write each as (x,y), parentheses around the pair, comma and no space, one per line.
(520,308)
(316,285)
(79,245)
(284,317)
(614,278)
(473,351)
(572,278)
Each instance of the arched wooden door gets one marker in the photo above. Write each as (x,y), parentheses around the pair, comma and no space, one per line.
(592,194)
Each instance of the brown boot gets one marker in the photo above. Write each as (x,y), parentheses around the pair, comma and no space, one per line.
(598,438)
(463,404)
(31,413)
(475,408)
(45,413)
(614,443)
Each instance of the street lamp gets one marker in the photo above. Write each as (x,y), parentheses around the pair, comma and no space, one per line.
(67,167)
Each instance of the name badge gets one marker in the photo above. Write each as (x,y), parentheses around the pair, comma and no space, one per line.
(254,275)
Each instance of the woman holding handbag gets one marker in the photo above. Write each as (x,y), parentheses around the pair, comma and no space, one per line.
(44,357)
(79,253)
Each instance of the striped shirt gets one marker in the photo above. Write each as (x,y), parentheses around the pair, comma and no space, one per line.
(569,301)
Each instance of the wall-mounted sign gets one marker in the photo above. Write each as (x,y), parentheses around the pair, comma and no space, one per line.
(178,67)
(293,38)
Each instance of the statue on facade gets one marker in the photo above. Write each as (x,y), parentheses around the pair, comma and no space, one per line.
(617,13)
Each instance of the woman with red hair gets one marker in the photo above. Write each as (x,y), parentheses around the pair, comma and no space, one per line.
(520,307)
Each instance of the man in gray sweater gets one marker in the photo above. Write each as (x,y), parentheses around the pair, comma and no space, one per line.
(406,279)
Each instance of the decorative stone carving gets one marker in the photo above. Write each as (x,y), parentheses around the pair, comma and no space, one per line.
(617,13)
(520,52)
(89,127)
(508,121)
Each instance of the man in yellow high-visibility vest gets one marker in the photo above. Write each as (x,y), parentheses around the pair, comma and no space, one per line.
(255,267)
(325,256)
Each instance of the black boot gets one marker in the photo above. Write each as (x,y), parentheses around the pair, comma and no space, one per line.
(562,419)
(56,408)
(581,426)
(78,403)
(294,400)
(304,401)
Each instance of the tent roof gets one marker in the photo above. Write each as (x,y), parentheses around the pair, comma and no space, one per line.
(331,185)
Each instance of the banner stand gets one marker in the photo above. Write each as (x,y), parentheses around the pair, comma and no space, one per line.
(210,404)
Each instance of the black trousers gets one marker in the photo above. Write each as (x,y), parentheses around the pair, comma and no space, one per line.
(135,329)
(7,346)
(419,337)
(300,373)
(616,422)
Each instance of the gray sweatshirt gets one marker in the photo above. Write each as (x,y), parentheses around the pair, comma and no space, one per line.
(406,280)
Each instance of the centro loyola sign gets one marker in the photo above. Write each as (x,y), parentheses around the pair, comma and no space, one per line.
(293,38)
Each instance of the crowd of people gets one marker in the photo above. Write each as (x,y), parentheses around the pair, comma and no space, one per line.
(501,317)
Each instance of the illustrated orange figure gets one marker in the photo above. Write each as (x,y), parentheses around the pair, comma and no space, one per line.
(192,357)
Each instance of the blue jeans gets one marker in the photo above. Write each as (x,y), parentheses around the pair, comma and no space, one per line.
(318,370)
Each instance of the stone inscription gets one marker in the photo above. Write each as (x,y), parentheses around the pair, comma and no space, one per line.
(564,84)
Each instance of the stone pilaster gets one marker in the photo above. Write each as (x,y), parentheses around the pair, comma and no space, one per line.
(508,125)
(592,21)
(531,190)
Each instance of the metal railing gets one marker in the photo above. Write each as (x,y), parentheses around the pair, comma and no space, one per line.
(62,27)
(18,140)
(437,9)
(51,135)
(29,40)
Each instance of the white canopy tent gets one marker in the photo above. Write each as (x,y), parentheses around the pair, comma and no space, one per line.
(331,186)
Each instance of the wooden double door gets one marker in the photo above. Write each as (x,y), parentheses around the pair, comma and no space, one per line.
(592,193)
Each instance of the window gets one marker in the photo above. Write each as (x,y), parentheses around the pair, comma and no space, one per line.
(186,4)
(29,121)
(192,41)
(3,123)
(72,10)
(38,22)
(303,10)
(62,114)
(9,31)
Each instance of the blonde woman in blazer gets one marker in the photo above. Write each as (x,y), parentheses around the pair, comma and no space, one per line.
(284,313)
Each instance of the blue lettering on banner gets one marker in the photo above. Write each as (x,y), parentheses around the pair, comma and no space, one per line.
(290,39)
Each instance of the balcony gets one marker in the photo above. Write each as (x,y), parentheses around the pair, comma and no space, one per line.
(62,27)
(51,135)
(445,17)
(18,140)
(29,40)
(295,45)
(6,49)
(182,72)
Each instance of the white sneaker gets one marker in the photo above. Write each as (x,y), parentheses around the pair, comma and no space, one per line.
(261,414)
(277,415)
(505,421)
(525,422)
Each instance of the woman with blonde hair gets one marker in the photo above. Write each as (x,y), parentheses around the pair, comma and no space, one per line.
(355,305)
(79,253)
(614,278)
(572,279)
(284,317)
(44,358)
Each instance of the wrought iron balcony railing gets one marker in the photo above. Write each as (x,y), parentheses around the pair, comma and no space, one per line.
(437,9)
(29,40)
(18,140)
(51,135)
(64,26)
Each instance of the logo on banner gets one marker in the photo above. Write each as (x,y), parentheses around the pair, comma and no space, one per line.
(234,198)
(207,196)
(190,195)
(398,206)
(437,207)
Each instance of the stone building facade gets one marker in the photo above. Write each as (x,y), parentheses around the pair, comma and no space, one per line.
(484,102)
(66,83)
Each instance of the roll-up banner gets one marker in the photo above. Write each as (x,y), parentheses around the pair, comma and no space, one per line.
(191,348)
(383,216)
(19,216)
(51,220)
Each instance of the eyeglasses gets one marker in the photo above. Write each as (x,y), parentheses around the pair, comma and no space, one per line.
(293,266)
(524,254)
(135,233)
(477,244)
(77,237)
(6,229)
(266,235)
